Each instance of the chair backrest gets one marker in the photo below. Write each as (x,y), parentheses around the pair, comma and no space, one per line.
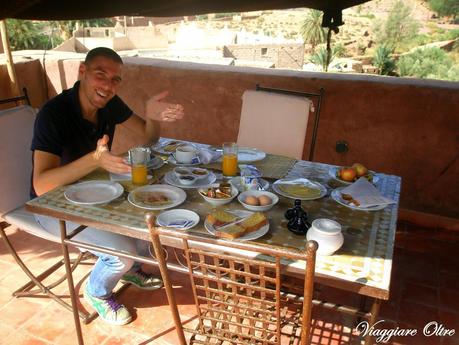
(16,129)
(275,123)
(238,297)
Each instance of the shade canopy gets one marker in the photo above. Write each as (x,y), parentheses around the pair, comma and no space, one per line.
(86,9)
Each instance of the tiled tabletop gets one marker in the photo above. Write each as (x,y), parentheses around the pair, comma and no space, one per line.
(365,259)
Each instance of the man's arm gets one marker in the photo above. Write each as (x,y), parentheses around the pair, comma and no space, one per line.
(156,111)
(49,174)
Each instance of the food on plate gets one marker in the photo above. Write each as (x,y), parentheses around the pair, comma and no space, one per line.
(229,226)
(360,169)
(200,172)
(152,198)
(182,171)
(349,199)
(171,146)
(354,172)
(252,200)
(348,174)
(299,190)
(264,200)
(223,191)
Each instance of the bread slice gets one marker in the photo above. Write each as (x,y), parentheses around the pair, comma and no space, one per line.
(219,218)
(230,232)
(254,222)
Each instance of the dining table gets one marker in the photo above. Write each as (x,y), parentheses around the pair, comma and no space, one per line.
(362,265)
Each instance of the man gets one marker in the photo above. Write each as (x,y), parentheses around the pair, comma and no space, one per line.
(73,135)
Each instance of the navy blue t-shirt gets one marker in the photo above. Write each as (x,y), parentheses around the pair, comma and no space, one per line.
(60,128)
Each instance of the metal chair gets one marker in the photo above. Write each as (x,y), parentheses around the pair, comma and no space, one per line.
(16,129)
(237,289)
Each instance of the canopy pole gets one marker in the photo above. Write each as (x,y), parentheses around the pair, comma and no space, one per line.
(9,60)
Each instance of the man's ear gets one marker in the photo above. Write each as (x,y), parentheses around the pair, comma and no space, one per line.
(81,70)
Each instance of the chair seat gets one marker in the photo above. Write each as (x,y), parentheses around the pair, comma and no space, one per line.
(25,221)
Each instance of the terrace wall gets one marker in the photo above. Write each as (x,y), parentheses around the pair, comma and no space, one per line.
(405,127)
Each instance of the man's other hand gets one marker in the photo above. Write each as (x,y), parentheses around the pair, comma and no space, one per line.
(159,110)
(109,161)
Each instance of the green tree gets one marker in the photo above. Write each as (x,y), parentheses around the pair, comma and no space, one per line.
(383,60)
(66,27)
(430,62)
(445,7)
(312,30)
(25,34)
(398,28)
(320,56)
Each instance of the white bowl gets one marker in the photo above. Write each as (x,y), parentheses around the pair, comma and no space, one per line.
(199,173)
(327,233)
(181,171)
(187,180)
(215,201)
(257,193)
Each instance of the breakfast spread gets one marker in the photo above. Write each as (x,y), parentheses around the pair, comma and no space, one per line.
(171,146)
(229,226)
(152,198)
(223,191)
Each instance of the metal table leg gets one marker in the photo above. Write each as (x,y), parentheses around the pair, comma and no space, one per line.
(68,271)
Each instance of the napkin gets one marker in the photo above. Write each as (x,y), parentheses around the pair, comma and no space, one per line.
(366,194)
(207,156)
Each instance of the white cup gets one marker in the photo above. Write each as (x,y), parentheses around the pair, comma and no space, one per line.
(327,233)
(185,154)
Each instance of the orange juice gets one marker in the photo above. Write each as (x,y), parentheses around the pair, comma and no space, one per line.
(139,174)
(229,164)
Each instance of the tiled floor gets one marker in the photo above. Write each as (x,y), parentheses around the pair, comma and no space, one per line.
(425,288)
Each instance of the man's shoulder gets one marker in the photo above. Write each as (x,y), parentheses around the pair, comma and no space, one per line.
(57,104)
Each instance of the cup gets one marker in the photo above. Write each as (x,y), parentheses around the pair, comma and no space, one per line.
(229,165)
(185,153)
(139,157)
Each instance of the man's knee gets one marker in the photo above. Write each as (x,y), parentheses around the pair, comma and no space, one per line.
(117,263)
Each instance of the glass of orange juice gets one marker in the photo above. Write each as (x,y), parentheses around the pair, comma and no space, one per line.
(229,159)
(139,157)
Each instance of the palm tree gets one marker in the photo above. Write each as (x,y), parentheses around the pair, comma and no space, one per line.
(383,60)
(312,30)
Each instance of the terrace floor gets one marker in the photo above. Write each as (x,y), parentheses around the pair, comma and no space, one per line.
(425,287)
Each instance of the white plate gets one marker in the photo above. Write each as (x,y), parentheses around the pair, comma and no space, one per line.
(93,192)
(160,147)
(301,181)
(172,179)
(250,236)
(333,170)
(336,195)
(248,154)
(237,182)
(176,216)
(175,195)
(171,159)
(257,193)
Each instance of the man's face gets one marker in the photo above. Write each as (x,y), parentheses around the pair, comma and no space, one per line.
(100,79)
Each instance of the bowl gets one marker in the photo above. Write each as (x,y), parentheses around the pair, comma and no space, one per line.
(187,180)
(327,233)
(181,171)
(215,201)
(199,173)
(257,193)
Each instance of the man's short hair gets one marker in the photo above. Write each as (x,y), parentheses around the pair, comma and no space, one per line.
(102,51)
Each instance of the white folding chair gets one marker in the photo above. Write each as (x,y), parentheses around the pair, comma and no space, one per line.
(16,129)
(276,121)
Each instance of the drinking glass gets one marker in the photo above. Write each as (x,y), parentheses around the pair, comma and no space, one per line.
(139,157)
(229,165)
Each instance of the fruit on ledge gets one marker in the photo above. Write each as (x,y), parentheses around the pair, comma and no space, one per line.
(347,174)
(360,169)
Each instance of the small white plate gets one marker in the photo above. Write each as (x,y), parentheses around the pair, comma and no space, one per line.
(237,182)
(336,195)
(172,160)
(177,216)
(250,236)
(300,181)
(257,193)
(334,170)
(172,179)
(93,192)
(174,194)
(168,147)
(249,154)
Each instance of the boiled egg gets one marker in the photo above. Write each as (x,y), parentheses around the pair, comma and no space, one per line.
(264,200)
(251,200)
